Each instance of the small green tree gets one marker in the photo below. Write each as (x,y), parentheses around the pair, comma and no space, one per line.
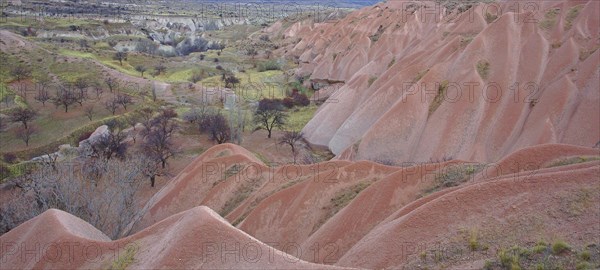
(141,69)
(120,56)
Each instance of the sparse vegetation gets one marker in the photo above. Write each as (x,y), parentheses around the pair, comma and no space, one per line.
(483,68)
(241,194)
(454,175)
(420,75)
(573,160)
(126,258)
(372,79)
(571,16)
(541,256)
(439,98)
(269,65)
(559,247)
(473,241)
(490,18)
(344,197)
(549,19)
(392,63)
(375,37)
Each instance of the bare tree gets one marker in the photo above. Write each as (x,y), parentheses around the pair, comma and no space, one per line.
(42,96)
(42,83)
(291,138)
(216,126)
(112,83)
(99,90)
(25,134)
(22,115)
(159,139)
(101,192)
(112,105)
(20,73)
(151,169)
(124,100)
(89,112)
(269,115)
(81,84)
(146,115)
(65,97)
(110,144)
(120,56)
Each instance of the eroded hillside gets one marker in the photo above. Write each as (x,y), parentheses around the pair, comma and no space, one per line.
(431,83)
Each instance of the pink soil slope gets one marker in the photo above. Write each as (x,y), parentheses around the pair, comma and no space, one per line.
(541,84)
(317,214)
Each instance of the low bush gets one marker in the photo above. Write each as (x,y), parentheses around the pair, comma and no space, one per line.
(269,65)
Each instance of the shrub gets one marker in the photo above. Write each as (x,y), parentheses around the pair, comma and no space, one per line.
(301,100)
(372,80)
(269,65)
(549,19)
(439,98)
(270,104)
(540,247)
(4,171)
(489,18)
(84,136)
(583,266)
(392,62)
(483,68)
(559,247)
(288,102)
(10,158)
(585,255)
(127,258)
(473,243)
(196,77)
(265,38)
(571,16)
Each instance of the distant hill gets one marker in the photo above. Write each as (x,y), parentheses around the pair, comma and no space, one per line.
(336,3)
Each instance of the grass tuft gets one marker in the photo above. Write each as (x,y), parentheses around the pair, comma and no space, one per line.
(559,247)
(125,259)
